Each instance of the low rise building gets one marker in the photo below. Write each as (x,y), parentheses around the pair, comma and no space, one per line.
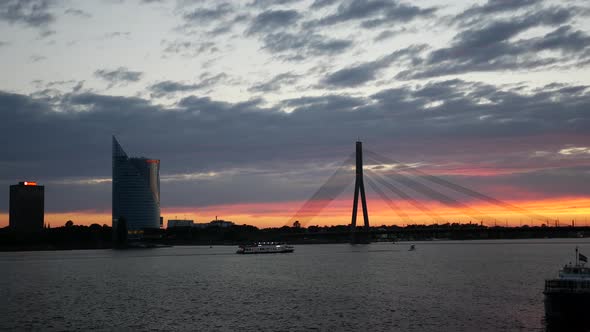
(180,223)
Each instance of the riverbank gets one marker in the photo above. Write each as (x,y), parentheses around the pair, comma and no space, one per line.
(100,237)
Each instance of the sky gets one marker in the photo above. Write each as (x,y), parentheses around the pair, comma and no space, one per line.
(252,105)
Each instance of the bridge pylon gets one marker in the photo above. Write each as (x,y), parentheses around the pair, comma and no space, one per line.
(359,186)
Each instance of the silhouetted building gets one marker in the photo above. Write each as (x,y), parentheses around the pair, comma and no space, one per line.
(180,223)
(220,223)
(136,192)
(27,207)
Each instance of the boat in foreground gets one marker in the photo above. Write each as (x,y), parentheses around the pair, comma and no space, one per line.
(568,296)
(265,248)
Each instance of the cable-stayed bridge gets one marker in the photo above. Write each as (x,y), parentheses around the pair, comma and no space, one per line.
(395,182)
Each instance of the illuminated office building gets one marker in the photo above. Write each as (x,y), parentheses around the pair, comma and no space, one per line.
(136,192)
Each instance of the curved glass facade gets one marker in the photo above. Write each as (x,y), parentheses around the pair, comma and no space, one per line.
(136,191)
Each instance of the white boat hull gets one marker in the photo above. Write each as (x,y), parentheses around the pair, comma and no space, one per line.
(265,249)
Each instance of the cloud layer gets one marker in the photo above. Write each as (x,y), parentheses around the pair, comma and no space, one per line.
(237,145)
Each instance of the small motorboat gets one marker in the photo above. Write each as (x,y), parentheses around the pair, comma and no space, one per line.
(412,248)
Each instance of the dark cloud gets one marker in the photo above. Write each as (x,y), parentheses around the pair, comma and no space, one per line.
(374,13)
(267,3)
(188,48)
(77,12)
(46,33)
(118,76)
(272,20)
(477,12)
(37,58)
(276,83)
(274,155)
(117,34)
(355,75)
(78,87)
(298,46)
(164,88)
(564,39)
(502,30)
(171,88)
(327,105)
(226,26)
(386,34)
(52,84)
(322,3)
(362,73)
(202,16)
(492,46)
(217,19)
(34,13)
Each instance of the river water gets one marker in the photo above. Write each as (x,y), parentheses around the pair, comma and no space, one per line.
(441,286)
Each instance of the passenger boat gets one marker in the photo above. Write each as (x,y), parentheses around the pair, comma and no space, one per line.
(265,248)
(568,296)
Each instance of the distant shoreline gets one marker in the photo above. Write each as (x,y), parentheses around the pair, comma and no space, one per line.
(100,237)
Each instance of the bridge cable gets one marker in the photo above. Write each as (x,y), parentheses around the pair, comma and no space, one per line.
(408,198)
(400,213)
(462,189)
(427,191)
(331,189)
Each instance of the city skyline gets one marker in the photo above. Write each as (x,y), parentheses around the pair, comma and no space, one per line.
(252,105)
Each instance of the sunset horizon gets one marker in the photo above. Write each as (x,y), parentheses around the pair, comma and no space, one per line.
(564,211)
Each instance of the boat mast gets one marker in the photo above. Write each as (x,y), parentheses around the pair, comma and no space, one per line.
(576,255)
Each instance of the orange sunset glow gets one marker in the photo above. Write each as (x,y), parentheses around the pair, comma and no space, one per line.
(277,214)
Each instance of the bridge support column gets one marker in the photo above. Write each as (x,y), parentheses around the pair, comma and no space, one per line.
(359,187)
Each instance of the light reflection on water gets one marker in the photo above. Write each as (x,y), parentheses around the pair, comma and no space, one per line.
(450,286)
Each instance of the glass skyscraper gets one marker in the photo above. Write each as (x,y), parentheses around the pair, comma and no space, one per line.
(136,191)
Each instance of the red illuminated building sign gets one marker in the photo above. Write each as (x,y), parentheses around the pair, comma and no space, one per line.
(30,183)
